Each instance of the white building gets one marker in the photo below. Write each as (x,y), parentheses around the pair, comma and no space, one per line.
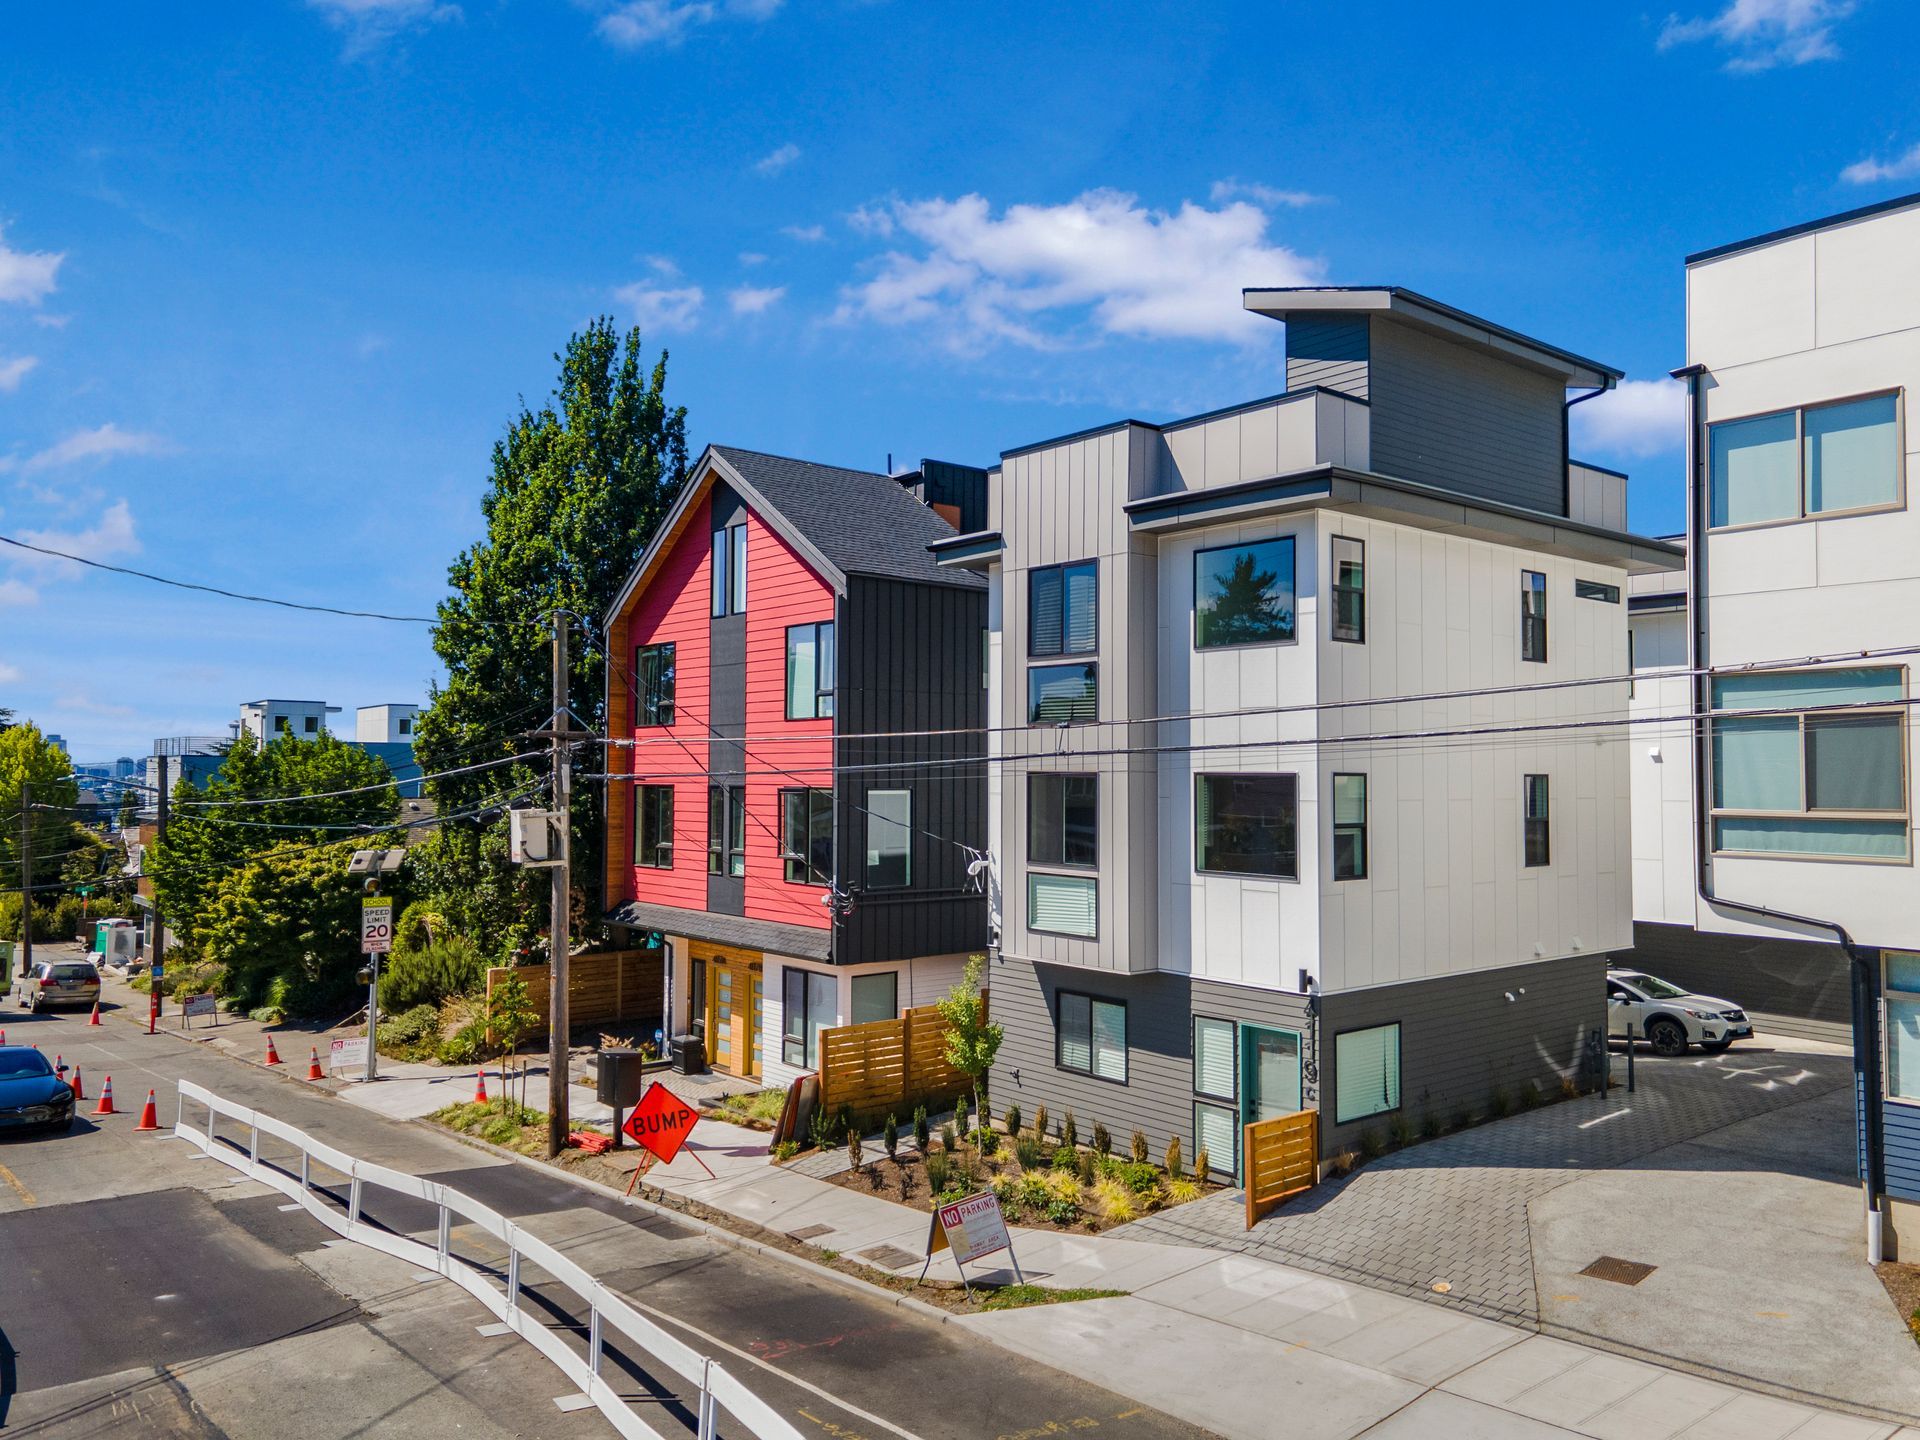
(385,724)
(266,720)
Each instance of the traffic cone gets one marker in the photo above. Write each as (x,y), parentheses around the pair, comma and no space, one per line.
(314,1072)
(273,1055)
(105,1107)
(94,1019)
(149,1116)
(480,1087)
(59,1064)
(79,1086)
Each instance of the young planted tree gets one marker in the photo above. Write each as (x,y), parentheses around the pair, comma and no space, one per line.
(972,1040)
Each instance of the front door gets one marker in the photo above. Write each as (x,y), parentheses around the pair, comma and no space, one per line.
(737,995)
(1270,1073)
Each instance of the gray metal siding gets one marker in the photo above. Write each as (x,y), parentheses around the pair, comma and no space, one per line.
(1461,1038)
(1450,416)
(1790,987)
(1902,1132)
(1330,351)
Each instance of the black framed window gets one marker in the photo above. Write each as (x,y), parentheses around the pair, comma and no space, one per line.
(808,1004)
(653,685)
(697,997)
(1246,825)
(653,827)
(1091,1036)
(1349,827)
(810,671)
(1594,590)
(1063,820)
(1533,616)
(889,839)
(806,836)
(1349,590)
(1538,851)
(726,830)
(730,570)
(1063,694)
(1243,594)
(1063,609)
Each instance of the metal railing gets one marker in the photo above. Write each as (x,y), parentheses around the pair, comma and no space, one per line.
(606,1311)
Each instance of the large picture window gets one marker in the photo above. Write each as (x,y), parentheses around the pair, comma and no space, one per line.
(1832,783)
(810,671)
(1533,616)
(653,827)
(1818,460)
(806,836)
(808,1003)
(1063,820)
(1243,594)
(1063,612)
(1902,989)
(653,685)
(1092,1036)
(889,839)
(1063,694)
(1349,590)
(726,830)
(1366,1073)
(1246,825)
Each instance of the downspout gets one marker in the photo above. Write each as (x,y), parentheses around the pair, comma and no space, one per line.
(1864,969)
(1566,444)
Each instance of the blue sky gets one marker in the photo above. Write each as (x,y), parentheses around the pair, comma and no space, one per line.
(273,275)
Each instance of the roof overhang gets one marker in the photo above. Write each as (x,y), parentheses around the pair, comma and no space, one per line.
(1404,502)
(975,550)
(802,942)
(1404,306)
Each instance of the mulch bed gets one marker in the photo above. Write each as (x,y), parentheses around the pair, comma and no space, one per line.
(1903,1288)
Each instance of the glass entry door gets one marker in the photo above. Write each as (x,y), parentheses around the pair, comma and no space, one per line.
(1270,1073)
(738,1000)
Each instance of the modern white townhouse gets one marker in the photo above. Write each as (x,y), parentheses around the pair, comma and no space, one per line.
(1297,798)
(1774,844)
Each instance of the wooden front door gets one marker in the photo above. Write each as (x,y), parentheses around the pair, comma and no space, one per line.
(735,993)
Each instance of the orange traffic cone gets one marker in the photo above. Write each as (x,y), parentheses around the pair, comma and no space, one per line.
(314,1072)
(273,1055)
(79,1085)
(149,1116)
(94,1019)
(480,1088)
(105,1107)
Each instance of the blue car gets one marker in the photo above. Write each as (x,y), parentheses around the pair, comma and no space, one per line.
(32,1097)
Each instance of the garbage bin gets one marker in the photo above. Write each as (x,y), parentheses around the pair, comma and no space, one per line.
(689,1055)
(621,1077)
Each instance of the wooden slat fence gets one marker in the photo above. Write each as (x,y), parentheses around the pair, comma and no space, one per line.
(1281,1158)
(888,1066)
(610,985)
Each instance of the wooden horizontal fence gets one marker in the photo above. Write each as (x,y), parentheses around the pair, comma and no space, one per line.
(1281,1158)
(887,1066)
(609,985)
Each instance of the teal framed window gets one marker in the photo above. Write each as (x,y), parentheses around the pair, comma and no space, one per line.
(1901,991)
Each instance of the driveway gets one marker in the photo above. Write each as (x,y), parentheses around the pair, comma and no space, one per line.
(1731,1175)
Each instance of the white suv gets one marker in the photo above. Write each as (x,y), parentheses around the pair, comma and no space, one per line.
(1668,1018)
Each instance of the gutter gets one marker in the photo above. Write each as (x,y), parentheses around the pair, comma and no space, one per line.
(1566,443)
(1864,967)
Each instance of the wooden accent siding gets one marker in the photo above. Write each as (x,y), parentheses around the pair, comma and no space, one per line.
(888,1066)
(613,985)
(1282,1159)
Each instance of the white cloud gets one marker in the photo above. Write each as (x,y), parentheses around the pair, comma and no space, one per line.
(1871,171)
(805,234)
(1102,261)
(369,24)
(1765,33)
(637,24)
(27,277)
(751,258)
(17,593)
(1263,195)
(774,161)
(663,265)
(111,535)
(1637,418)
(751,300)
(658,307)
(13,371)
(9,674)
(871,220)
(101,443)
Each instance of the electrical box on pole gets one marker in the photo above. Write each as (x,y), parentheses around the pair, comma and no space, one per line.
(532,837)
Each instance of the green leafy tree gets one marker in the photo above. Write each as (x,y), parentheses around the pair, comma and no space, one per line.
(972,1040)
(286,926)
(29,761)
(129,809)
(578,488)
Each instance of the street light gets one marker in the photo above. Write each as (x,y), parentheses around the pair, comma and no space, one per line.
(376,937)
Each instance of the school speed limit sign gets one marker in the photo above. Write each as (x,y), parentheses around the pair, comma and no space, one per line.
(376,925)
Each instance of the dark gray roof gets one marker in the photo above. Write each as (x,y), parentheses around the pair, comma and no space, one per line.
(803,942)
(863,522)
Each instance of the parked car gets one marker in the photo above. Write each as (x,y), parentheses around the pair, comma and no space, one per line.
(1668,1018)
(32,1097)
(60,982)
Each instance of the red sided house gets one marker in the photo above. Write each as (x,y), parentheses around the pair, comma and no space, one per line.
(801,694)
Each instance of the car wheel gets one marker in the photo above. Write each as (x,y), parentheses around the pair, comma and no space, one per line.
(1717,1047)
(1667,1037)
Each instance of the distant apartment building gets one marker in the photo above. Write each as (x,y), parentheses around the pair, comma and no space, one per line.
(267,720)
(1296,800)
(390,724)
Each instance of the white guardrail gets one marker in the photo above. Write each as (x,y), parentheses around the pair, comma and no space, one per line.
(605,1309)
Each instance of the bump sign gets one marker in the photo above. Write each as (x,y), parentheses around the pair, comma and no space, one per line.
(661,1122)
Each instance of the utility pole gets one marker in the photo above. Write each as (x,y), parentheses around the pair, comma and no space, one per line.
(26,878)
(157,968)
(559,938)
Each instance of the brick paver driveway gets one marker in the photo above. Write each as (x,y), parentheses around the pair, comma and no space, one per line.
(1455,1210)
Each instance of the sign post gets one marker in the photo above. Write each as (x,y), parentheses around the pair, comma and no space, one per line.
(345,1054)
(192,1005)
(376,939)
(660,1125)
(970,1228)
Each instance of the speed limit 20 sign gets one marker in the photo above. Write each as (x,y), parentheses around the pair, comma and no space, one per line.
(376,925)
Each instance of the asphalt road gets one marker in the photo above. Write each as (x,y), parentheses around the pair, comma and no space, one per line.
(147,1290)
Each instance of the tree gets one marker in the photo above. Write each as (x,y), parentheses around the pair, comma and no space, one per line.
(129,808)
(972,1040)
(286,927)
(577,490)
(27,758)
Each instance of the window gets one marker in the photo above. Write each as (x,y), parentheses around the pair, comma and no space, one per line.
(313,724)
(806,836)
(1092,1037)
(876,996)
(1062,820)
(1215,1070)
(1063,904)
(1902,990)
(1366,1073)
(810,671)
(730,570)
(1349,827)
(1216,1130)
(726,830)
(653,827)
(697,997)
(1594,590)
(1349,589)
(653,685)
(1831,784)
(1534,821)
(889,839)
(1821,460)
(1533,616)
(282,725)
(1245,825)
(808,1003)
(986,658)
(1243,595)
(1063,612)
(406,727)
(1063,694)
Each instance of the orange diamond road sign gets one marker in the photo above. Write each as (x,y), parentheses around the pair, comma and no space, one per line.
(661,1122)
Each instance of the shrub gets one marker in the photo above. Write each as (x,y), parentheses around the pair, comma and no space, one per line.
(426,977)
(820,1128)
(784,1150)
(1499,1103)
(1372,1146)
(1013,1120)
(1087,1167)
(1175,1167)
(988,1141)
(1140,1177)
(1115,1200)
(856,1155)
(1066,1158)
(939,1170)
(1569,1088)
(1430,1126)
(948,1140)
(1179,1192)
(1401,1129)
(1529,1094)
(1026,1150)
(411,1035)
(1040,1123)
(1202,1166)
(1343,1161)
(890,1139)
(1102,1140)
(1069,1132)
(1139,1147)
(920,1131)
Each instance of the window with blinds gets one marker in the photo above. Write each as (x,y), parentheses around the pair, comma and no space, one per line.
(1214,1070)
(1063,694)
(1063,904)
(1063,609)
(1366,1070)
(1246,825)
(1216,1130)
(1092,1036)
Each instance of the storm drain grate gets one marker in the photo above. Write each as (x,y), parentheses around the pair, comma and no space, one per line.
(1621,1272)
(891,1256)
(809,1232)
